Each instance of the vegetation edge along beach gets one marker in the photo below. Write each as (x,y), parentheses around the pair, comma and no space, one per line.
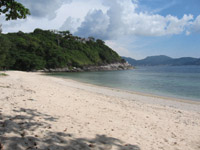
(51,50)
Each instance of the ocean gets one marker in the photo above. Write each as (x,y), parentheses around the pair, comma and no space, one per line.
(181,82)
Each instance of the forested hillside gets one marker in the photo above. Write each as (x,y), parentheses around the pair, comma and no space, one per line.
(52,49)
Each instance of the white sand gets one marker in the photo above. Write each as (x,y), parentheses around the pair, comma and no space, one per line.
(42,112)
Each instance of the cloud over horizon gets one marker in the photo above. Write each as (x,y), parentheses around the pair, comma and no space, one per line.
(122,19)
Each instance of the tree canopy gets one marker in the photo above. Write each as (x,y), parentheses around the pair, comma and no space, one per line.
(13,10)
(52,49)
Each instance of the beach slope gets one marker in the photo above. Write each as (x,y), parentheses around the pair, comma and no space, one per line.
(43,112)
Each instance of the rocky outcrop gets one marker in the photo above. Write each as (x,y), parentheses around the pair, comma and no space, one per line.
(114,66)
(107,67)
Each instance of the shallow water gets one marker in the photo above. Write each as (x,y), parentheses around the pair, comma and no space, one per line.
(170,81)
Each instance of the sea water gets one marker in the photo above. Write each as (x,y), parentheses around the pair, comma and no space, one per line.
(170,81)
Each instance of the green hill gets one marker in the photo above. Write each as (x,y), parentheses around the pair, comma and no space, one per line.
(52,49)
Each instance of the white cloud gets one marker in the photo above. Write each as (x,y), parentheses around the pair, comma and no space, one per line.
(70,24)
(103,19)
(120,49)
(196,25)
(122,19)
(157,25)
(95,24)
(176,25)
(43,8)
(27,25)
(188,33)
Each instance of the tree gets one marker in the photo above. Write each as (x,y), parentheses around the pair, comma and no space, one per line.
(0,28)
(13,10)
(64,33)
(4,50)
(100,42)
(39,50)
(91,38)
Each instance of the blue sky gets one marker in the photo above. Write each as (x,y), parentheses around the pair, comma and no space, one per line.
(180,45)
(134,28)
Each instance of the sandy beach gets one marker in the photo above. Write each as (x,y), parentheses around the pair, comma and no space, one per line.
(48,113)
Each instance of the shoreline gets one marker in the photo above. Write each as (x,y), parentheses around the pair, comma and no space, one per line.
(106,67)
(125,92)
(190,101)
(45,112)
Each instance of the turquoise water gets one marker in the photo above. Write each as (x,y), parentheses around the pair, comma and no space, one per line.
(170,81)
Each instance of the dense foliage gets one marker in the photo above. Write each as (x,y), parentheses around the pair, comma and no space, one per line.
(13,10)
(49,49)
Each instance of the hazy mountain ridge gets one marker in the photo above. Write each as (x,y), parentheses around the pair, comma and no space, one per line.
(163,60)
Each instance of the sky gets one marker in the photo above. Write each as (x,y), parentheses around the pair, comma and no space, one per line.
(133,28)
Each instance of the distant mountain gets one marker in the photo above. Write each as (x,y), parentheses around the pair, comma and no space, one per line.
(155,60)
(197,62)
(130,60)
(163,60)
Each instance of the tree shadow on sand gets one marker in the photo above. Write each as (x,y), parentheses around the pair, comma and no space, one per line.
(18,132)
